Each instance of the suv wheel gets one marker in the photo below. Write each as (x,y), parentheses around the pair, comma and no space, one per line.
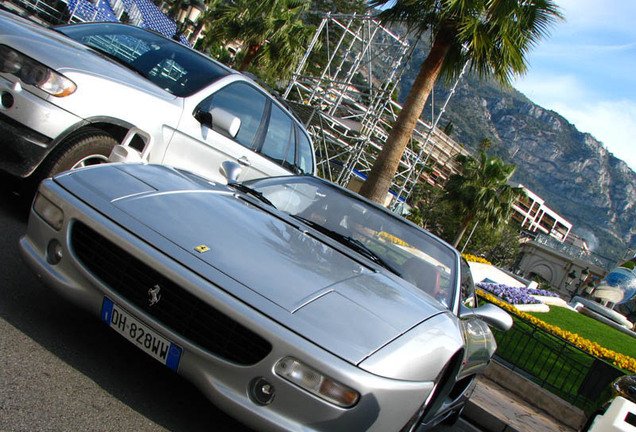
(89,147)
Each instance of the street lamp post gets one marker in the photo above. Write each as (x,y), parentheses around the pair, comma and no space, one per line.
(569,279)
(189,13)
(584,274)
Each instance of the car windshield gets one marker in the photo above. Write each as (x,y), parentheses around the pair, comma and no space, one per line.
(166,63)
(411,253)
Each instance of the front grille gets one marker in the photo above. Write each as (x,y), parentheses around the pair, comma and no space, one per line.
(178,309)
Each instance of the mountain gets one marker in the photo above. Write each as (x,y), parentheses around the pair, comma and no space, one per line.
(572,171)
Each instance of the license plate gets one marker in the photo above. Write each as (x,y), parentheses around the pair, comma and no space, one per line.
(140,334)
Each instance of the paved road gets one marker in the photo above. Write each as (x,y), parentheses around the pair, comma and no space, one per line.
(61,369)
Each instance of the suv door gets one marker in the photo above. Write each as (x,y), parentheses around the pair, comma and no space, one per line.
(200,148)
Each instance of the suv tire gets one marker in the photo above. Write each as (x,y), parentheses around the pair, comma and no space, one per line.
(91,146)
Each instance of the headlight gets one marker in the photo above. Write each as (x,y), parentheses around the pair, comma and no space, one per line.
(52,214)
(316,383)
(34,73)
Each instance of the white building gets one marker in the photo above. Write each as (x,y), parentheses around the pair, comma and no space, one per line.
(536,217)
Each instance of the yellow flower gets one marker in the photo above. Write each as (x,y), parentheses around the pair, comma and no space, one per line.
(473,258)
(393,239)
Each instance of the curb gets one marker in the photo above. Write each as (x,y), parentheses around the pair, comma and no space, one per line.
(504,401)
(481,418)
(535,396)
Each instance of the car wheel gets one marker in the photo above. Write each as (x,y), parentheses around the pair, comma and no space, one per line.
(453,418)
(88,147)
(442,389)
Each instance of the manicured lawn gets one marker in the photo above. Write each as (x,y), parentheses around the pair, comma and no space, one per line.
(590,329)
(559,366)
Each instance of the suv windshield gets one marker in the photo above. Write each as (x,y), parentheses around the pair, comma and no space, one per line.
(166,63)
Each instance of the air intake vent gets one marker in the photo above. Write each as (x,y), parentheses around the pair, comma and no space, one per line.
(178,309)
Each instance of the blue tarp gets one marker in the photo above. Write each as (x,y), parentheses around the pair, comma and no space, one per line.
(151,16)
(87,11)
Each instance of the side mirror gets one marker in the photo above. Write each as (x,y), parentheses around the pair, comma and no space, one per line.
(220,120)
(490,314)
(625,386)
(231,171)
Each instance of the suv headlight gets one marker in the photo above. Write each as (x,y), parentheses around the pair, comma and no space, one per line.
(34,73)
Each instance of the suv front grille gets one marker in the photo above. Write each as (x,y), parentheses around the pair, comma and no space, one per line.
(178,309)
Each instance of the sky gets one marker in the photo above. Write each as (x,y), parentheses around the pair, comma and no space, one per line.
(585,70)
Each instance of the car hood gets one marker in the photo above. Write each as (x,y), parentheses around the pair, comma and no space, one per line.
(58,51)
(313,286)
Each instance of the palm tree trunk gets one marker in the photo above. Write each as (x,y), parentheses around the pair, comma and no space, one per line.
(381,175)
(467,220)
(249,56)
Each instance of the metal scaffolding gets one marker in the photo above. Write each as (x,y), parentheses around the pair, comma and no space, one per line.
(343,88)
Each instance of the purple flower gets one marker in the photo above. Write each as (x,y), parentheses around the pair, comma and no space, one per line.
(514,295)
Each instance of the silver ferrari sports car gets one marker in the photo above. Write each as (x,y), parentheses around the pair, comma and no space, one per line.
(292,303)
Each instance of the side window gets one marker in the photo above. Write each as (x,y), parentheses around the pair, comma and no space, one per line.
(305,153)
(278,143)
(468,286)
(245,102)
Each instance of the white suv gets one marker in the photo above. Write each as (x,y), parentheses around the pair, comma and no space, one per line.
(68,95)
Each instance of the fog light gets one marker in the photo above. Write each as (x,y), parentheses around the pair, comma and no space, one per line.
(7,100)
(54,252)
(316,383)
(261,391)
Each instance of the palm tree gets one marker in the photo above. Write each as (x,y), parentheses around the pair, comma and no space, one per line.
(480,191)
(494,35)
(268,33)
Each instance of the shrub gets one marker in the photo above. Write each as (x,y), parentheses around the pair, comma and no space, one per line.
(473,258)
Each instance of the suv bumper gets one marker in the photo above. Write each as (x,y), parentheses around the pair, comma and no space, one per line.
(21,148)
(29,123)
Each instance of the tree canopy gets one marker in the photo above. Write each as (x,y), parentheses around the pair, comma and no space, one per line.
(480,192)
(268,36)
(493,35)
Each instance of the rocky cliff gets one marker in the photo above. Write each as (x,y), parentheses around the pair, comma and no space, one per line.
(575,174)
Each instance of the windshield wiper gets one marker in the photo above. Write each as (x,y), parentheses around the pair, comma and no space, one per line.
(253,192)
(364,250)
(350,242)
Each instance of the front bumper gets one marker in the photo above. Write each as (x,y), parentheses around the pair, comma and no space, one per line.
(29,125)
(21,148)
(384,405)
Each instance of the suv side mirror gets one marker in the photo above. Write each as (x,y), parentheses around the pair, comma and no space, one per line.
(488,313)
(220,120)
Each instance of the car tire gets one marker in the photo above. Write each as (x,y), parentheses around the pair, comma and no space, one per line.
(444,386)
(89,147)
(453,418)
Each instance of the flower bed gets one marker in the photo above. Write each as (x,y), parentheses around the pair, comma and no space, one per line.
(593,348)
(515,295)
(473,258)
